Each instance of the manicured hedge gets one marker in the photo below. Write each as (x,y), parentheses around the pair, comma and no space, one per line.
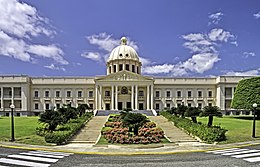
(205,133)
(247,93)
(66,131)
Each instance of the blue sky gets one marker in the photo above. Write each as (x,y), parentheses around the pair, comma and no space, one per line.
(182,38)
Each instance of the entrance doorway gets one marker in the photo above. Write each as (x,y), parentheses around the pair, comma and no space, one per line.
(107,106)
(128,105)
(120,106)
(141,106)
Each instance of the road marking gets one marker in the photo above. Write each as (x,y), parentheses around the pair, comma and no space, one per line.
(33,158)
(3,166)
(255,159)
(230,149)
(43,155)
(52,153)
(246,155)
(241,152)
(24,163)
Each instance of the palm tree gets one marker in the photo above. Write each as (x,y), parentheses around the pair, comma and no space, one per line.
(211,111)
(181,110)
(82,109)
(134,120)
(193,112)
(51,117)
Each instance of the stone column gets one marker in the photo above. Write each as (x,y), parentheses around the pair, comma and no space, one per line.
(152,97)
(147,97)
(112,97)
(132,97)
(116,100)
(96,97)
(2,97)
(12,101)
(136,97)
(100,97)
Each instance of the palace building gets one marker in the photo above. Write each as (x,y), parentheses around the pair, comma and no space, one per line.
(124,86)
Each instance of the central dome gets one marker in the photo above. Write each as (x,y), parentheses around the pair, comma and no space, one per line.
(123,51)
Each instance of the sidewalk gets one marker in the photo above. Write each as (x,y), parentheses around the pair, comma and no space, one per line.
(173,133)
(90,133)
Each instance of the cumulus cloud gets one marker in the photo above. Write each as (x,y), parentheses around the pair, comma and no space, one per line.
(105,43)
(215,18)
(20,23)
(257,15)
(204,50)
(95,56)
(244,73)
(53,67)
(249,54)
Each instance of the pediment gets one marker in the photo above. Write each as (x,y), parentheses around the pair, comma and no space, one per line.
(124,76)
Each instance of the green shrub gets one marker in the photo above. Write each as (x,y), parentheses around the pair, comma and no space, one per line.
(205,133)
(57,137)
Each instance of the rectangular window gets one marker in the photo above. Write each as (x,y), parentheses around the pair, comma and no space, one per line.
(57,93)
(133,68)
(199,93)
(189,104)
(127,67)
(0,104)
(178,93)
(141,93)
(107,93)
(90,94)
(157,94)
(47,106)
(80,93)
(91,106)
(168,94)
(68,93)
(179,104)
(36,93)
(58,106)
(10,93)
(47,93)
(200,105)
(36,106)
(120,67)
(210,93)
(114,68)
(228,92)
(189,93)
(210,104)
(157,106)
(168,105)
(137,70)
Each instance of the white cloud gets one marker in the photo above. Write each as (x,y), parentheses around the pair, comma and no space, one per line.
(20,22)
(158,69)
(249,54)
(93,56)
(244,73)
(220,35)
(257,15)
(145,61)
(106,43)
(215,18)
(53,67)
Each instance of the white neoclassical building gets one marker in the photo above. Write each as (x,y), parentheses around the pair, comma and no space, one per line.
(123,87)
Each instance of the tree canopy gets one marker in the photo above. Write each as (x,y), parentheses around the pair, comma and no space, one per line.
(247,93)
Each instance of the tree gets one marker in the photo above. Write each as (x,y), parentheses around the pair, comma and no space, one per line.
(82,109)
(68,113)
(51,117)
(211,111)
(192,112)
(134,120)
(181,110)
(247,93)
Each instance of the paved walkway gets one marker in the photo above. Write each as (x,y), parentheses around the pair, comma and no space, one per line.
(173,133)
(91,131)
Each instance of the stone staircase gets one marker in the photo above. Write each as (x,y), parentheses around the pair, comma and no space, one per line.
(91,131)
(173,133)
(107,112)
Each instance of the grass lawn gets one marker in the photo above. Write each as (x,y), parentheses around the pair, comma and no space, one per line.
(24,131)
(239,128)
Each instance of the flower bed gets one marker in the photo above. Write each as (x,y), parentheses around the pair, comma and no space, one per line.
(115,132)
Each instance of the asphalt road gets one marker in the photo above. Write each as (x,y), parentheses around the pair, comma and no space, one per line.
(178,160)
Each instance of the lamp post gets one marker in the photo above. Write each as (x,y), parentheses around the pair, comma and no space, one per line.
(12,106)
(254,110)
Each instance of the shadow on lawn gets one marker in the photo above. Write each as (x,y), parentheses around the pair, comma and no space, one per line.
(246,118)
